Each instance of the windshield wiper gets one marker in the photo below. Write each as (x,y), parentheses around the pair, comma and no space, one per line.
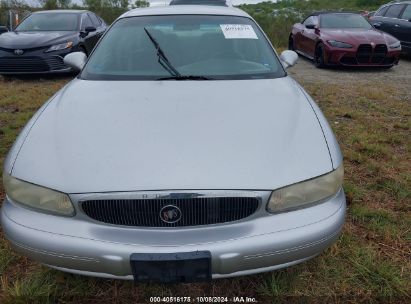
(186,77)
(162,59)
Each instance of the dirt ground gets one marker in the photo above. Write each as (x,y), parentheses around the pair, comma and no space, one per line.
(399,75)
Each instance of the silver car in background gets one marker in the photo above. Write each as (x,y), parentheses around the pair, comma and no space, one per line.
(182,152)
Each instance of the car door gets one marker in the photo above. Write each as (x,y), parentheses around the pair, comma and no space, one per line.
(98,24)
(404,27)
(298,28)
(389,22)
(378,18)
(309,36)
(90,38)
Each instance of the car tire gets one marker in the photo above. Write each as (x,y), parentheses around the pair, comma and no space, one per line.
(319,56)
(291,43)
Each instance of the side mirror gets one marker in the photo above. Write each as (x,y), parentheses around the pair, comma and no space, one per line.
(310,26)
(288,58)
(3,29)
(75,60)
(88,30)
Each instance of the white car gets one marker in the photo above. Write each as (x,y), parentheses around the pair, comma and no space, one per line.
(182,152)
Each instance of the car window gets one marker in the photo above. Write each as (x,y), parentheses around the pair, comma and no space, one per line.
(311,20)
(219,47)
(49,22)
(394,11)
(95,20)
(382,11)
(86,21)
(407,13)
(342,20)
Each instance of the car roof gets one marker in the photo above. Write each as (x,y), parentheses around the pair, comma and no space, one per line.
(62,11)
(333,12)
(393,3)
(186,10)
(398,2)
(199,2)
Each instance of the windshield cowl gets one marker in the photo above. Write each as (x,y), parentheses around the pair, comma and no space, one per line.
(186,77)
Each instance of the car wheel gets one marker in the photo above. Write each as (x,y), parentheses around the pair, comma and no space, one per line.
(291,43)
(319,56)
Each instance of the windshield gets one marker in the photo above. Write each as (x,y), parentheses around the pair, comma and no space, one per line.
(217,47)
(49,22)
(341,21)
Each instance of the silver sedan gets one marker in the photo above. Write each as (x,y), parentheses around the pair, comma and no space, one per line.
(182,152)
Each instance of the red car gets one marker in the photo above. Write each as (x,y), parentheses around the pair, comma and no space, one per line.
(345,39)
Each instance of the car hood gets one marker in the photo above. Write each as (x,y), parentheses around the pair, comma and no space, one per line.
(29,40)
(99,136)
(357,36)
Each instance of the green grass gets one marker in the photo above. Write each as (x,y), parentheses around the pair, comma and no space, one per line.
(7,257)
(378,220)
(37,287)
(370,263)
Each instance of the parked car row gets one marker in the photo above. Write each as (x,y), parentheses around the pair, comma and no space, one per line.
(351,39)
(40,42)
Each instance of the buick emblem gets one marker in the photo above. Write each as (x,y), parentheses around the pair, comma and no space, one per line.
(170,214)
(18,52)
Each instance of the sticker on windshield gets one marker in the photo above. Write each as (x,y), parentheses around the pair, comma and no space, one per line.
(238,31)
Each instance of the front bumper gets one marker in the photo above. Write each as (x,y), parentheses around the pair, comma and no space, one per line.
(239,248)
(352,57)
(33,62)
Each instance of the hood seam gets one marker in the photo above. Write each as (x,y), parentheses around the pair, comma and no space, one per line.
(322,130)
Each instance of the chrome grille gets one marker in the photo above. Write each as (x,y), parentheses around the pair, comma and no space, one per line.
(31,64)
(194,211)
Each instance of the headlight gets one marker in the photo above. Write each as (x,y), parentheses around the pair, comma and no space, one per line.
(395,45)
(340,44)
(60,46)
(305,193)
(37,197)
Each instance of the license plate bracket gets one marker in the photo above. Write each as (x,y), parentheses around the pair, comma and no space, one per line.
(178,267)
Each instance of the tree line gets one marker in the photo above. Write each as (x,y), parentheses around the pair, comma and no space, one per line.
(109,10)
